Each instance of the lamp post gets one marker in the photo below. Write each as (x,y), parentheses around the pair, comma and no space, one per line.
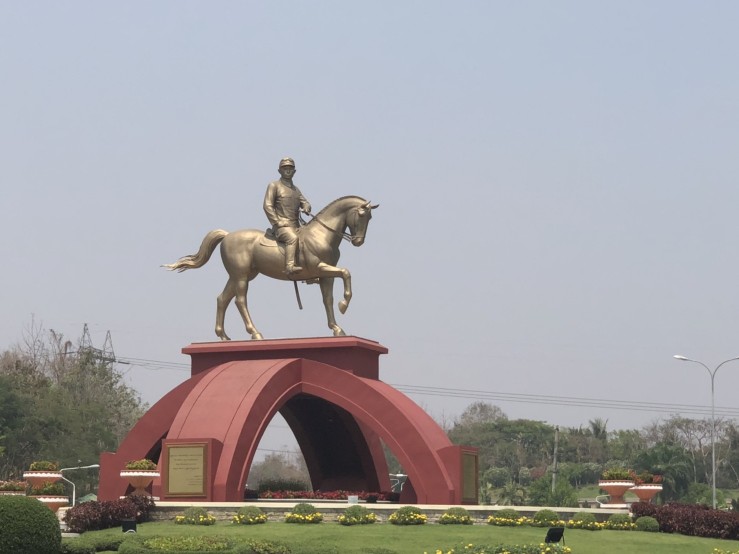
(74,487)
(713,417)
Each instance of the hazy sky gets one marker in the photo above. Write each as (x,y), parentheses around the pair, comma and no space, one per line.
(557,180)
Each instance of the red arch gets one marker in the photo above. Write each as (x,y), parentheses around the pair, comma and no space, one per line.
(234,401)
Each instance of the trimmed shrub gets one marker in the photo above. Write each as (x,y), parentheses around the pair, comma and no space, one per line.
(195,515)
(26,525)
(456,516)
(96,515)
(620,522)
(357,515)
(283,485)
(545,518)
(181,544)
(584,520)
(507,513)
(304,513)
(90,544)
(262,547)
(407,515)
(250,515)
(647,523)
(77,546)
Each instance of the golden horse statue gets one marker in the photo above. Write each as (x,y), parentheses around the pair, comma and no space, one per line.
(249,252)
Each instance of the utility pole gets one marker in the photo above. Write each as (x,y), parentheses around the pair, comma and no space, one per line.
(556,447)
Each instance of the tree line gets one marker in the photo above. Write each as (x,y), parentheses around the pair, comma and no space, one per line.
(62,402)
(516,457)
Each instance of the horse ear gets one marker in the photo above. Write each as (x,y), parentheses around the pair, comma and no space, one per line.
(375,206)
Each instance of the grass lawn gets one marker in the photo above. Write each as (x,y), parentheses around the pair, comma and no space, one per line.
(427,538)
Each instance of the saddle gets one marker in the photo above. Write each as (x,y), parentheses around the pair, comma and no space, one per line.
(269,239)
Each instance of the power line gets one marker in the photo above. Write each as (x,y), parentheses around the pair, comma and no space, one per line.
(566,400)
(496,396)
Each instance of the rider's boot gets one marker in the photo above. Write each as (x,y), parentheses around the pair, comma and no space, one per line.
(290,251)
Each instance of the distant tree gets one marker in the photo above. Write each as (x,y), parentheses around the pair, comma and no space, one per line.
(625,444)
(512,494)
(540,493)
(278,466)
(62,403)
(673,463)
(480,412)
(510,444)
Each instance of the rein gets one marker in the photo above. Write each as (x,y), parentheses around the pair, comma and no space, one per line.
(346,236)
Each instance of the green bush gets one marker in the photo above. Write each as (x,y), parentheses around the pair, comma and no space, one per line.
(304,513)
(262,547)
(456,516)
(545,518)
(181,545)
(47,488)
(283,485)
(250,515)
(141,465)
(507,513)
(26,525)
(77,546)
(357,515)
(195,516)
(44,465)
(647,523)
(585,517)
(584,520)
(619,522)
(407,515)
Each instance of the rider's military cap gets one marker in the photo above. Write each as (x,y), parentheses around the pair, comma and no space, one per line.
(287,161)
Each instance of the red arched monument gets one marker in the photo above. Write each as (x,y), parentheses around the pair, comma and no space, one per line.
(328,391)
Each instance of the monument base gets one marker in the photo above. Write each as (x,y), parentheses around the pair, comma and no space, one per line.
(329,392)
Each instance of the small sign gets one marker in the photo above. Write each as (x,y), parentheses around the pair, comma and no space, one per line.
(186,469)
(469,477)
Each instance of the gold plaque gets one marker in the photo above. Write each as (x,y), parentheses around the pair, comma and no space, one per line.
(186,469)
(469,477)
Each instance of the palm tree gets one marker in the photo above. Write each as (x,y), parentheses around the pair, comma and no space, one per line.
(670,461)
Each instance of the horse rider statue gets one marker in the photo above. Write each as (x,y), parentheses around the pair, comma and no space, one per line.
(283,203)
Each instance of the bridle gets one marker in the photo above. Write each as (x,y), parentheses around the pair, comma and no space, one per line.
(344,235)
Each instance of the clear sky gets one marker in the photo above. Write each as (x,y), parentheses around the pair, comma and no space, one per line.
(557,180)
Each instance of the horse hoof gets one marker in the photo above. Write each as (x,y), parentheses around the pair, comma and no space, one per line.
(343,305)
(257,336)
(339,332)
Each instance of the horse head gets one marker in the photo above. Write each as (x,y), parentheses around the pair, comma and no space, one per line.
(358,221)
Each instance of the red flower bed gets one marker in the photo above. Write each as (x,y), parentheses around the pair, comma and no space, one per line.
(326,495)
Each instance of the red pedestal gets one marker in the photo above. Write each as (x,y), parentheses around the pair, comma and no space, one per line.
(328,391)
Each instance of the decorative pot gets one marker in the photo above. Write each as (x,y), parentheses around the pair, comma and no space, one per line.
(139,479)
(38,478)
(616,489)
(52,502)
(646,492)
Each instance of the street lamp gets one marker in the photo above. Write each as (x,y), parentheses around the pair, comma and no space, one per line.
(713,417)
(74,487)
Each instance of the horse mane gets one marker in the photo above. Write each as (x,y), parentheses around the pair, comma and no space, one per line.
(327,206)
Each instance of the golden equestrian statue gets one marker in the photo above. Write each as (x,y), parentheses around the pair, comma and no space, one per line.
(249,252)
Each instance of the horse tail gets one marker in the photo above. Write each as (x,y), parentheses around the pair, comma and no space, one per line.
(194,261)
